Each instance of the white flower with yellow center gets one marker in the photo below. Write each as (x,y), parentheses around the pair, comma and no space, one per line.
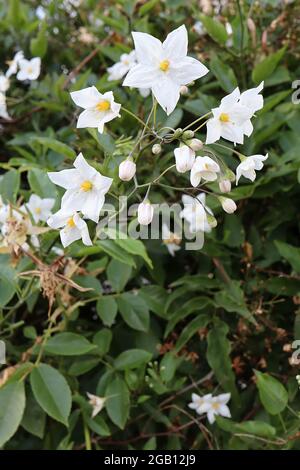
(184,157)
(4,83)
(200,403)
(218,406)
(29,69)
(3,109)
(206,168)
(210,405)
(72,227)
(39,208)
(171,240)
(98,108)
(164,67)
(231,120)
(248,166)
(119,69)
(85,188)
(14,63)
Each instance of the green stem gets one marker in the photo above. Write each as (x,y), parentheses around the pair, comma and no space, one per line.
(197,120)
(87,436)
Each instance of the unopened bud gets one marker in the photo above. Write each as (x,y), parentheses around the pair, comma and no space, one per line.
(156,149)
(183,90)
(127,170)
(145,213)
(188,135)
(225,186)
(195,144)
(228,205)
(177,133)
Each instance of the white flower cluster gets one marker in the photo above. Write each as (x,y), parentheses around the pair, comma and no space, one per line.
(211,406)
(25,70)
(165,69)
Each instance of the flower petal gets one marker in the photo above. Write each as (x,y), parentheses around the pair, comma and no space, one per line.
(167,94)
(176,43)
(213,127)
(87,97)
(142,76)
(148,48)
(67,179)
(186,70)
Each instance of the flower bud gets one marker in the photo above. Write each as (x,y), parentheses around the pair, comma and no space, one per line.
(177,133)
(195,144)
(225,186)
(183,90)
(145,213)
(188,134)
(127,170)
(156,149)
(228,205)
(184,157)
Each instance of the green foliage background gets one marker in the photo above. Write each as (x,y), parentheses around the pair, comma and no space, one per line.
(154,328)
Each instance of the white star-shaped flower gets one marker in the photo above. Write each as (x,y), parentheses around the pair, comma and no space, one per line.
(206,168)
(13,64)
(229,120)
(119,69)
(98,108)
(96,402)
(29,69)
(72,227)
(39,208)
(195,213)
(85,188)
(248,166)
(164,67)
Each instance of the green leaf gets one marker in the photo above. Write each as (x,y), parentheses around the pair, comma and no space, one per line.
(38,45)
(132,359)
(272,393)
(98,425)
(199,322)
(118,402)
(215,29)
(12,405)
(107,309)
(218,356)
(34,419)
(231,298)
(103,339)
(144,9)
(115,251)
(52,392)
(118,274)
(56,146)
(7,290)
(290,253)
(266,67)
(258,428)
(134,311)
(9,186)
(40,183)
(132,246)
(223,73)
(68,344)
